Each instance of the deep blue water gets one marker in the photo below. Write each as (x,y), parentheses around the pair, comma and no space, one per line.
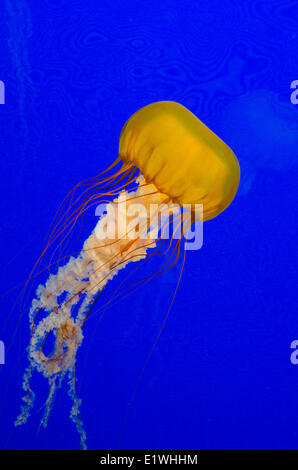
(220,376)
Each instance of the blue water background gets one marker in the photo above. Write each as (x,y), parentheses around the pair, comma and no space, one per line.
(220,376)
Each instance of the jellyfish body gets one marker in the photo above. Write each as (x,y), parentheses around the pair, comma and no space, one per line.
(169,159)
(181,156)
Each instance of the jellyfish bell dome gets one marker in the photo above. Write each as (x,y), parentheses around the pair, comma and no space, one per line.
(181,156)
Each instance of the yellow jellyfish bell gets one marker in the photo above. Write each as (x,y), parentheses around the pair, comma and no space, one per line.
(167,159)
(181,156)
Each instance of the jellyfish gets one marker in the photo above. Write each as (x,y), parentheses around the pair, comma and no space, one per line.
(169,164)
